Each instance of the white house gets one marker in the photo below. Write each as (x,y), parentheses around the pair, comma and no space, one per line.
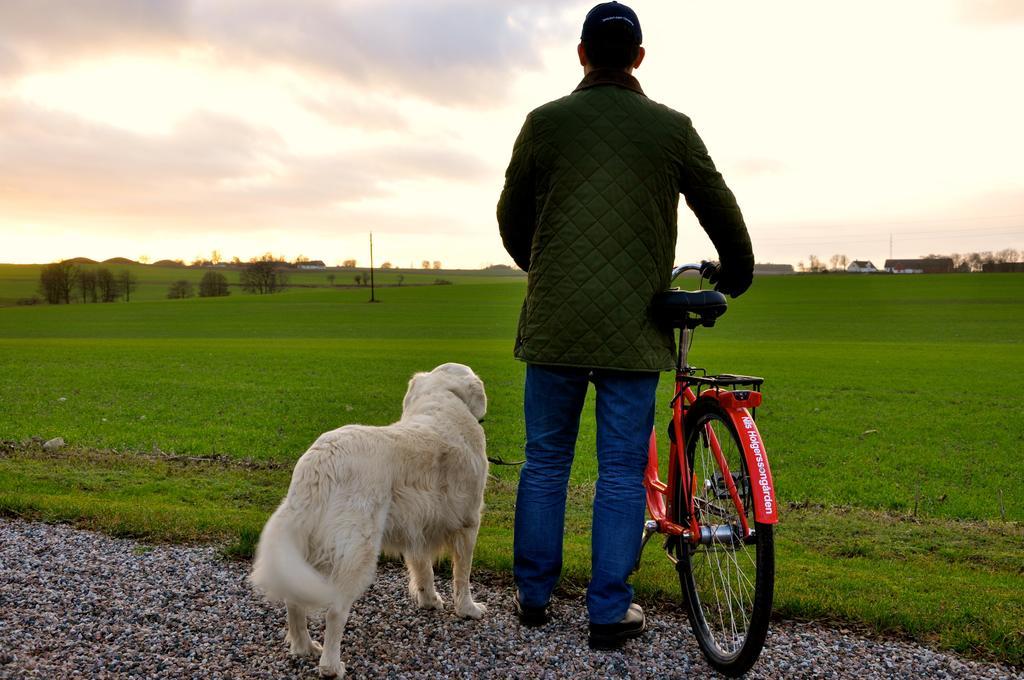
(924,265)
(312,264)
(862,267)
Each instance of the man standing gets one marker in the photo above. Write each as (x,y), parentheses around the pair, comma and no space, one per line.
(589,210)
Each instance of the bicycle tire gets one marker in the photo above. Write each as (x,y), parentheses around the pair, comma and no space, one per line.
(707,572)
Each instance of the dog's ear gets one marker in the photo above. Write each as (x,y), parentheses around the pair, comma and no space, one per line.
(414,389)
(470,389)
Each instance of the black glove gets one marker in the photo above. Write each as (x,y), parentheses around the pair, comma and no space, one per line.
(732,279)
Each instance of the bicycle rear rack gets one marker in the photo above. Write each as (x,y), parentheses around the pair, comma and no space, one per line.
(742,385)
(725,380)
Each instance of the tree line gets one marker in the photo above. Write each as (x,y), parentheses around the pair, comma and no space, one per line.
(62,282)
(65,282)
(216,259)
(262,275)
(975,262)
(962,262)
(213,284)
(814,264)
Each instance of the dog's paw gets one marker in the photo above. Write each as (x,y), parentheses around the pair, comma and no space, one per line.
(332,670)
(306,648)
(426,599)
(429,601)
(473,610)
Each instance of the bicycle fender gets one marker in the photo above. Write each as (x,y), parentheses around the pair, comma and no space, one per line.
(765,508)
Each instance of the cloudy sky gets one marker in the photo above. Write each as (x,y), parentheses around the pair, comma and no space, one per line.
(172,128)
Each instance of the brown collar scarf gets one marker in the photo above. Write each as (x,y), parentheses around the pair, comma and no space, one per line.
(610,76)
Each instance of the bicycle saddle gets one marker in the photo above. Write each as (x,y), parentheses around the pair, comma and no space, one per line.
(688,308)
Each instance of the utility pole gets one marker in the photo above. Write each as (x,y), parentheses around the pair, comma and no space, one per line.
(372,299)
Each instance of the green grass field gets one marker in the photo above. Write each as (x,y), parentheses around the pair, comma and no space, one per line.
(888,416)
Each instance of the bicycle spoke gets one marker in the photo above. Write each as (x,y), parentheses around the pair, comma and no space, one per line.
(718,601)
(741,588)
(746,580)
(723,578)
(714,508)
(725,594)
(725,590)
(726,582)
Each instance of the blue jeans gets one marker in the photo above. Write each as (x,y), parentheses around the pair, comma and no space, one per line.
(625,415)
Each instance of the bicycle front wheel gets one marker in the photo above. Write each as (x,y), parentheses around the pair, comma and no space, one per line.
(727,581)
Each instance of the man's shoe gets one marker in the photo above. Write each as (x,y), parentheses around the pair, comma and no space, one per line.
(530,616)
(608,636)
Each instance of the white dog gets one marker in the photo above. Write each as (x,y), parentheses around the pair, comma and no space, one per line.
(413,488)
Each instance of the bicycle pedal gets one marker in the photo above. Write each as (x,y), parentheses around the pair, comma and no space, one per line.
(650,528)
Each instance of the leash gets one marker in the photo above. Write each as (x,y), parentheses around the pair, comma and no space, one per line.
(499,461)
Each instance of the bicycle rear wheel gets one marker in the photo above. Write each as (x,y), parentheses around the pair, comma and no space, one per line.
(727,582)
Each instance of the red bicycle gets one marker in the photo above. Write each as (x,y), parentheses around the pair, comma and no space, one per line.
(718,508)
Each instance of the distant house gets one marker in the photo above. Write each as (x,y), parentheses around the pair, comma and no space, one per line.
(862,267)
(312,264)
(1003,267)
(773,269)
(928,265)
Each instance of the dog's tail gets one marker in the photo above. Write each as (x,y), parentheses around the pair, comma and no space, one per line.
(281,570)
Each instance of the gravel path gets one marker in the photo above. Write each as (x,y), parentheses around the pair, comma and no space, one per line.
(75,603)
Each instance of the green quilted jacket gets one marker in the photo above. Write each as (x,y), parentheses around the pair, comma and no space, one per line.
(589,210)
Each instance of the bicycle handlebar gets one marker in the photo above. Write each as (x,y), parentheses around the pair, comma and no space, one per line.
(705,269)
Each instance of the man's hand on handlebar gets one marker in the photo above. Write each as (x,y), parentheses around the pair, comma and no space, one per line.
(731,280)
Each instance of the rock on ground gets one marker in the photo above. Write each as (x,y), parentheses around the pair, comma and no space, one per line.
(53,444)
(79,604)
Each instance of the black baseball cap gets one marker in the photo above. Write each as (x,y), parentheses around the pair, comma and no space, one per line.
(611,22)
